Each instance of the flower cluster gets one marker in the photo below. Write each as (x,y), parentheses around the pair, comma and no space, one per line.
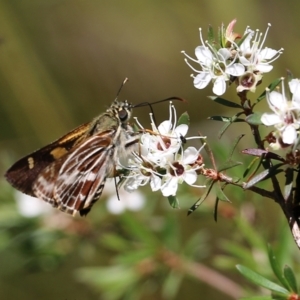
(240,59)
(285,117)
(162,160)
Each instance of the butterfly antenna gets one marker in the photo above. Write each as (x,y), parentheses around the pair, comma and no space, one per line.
(120,89)
(156,102)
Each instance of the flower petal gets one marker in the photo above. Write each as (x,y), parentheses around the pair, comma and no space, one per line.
(270,119)
(267,53)
(190,177)
(219,86)
(204,55)
(165,127)
(235,69)
(263,67)
(170,187)
(181,130)
(276,101)
(190,154)
(289,135)
(155,183)
(202,80)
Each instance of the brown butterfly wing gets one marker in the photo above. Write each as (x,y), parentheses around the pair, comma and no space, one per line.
(24,172)
(73,182)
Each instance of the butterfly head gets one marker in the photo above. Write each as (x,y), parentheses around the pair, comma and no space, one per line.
(122,110)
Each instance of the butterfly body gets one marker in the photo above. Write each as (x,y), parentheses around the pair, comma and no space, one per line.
(70,173)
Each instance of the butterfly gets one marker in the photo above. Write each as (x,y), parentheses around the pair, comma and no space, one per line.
(70,173)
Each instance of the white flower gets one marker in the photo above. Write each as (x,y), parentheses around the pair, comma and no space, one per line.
(248,81)
(126,201)
(286,113)
(31,207)
(179,171)
(141,172)
(253,56)
(164,140)
(217,66)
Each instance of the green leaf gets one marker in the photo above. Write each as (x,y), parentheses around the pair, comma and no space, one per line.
(225,119)
(264,175)
(258,298)
(173,201)
(261,281)
(210,35)
(276,268)
(203,197)
(115,242)
(250,166)
(221,36)
(133,257)
(254,119)
(235,143)
(252,236)
(290,277)
(237,251)
(115,280)
(138,229)
(229,165)
(171,285)
(223,129)
(221,195)
(240,41)
(184,119)
(289,178)
(224,102)
(290,75)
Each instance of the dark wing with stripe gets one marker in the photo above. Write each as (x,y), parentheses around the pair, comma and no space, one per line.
(25,171)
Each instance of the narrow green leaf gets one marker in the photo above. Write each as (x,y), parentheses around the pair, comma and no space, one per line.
(210,35)
(223,129)
(138,229)
(216,209)
(229,165)
(257,298)
(290,75)
(264,175)
(221,195)
(250,233)
(115,242)
(237,251)
(289,179)
(290,277)
(203,197)
(221,36)
(224,102)
(240,41)
(184,119)
(276,268)
(235,143)
(250,166)
(261,281)
(254,119)
(230,121)
(173,201)
(171,285)
(225,119)
(131,258)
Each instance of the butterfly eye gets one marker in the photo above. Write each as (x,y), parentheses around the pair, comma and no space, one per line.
(123,115)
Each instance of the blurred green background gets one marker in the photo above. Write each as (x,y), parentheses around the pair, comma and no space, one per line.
(61,64)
